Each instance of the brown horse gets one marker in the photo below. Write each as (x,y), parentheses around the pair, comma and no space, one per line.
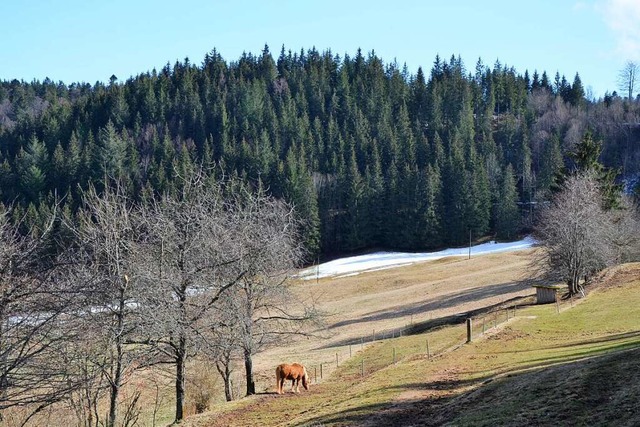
(294,372)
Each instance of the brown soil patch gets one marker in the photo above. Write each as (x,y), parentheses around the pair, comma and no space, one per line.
(616,276)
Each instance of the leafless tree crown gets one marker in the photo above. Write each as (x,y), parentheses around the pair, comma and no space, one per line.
(579,237)
(627,78)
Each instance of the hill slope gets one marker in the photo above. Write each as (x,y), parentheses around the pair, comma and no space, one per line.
(543,367)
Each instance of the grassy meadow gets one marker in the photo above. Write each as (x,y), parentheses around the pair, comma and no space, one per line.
(578,364)
(395,353)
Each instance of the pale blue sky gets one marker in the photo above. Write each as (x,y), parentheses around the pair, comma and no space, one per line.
(87,40)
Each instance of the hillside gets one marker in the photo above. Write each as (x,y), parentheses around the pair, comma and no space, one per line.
(578,365)
(371,156)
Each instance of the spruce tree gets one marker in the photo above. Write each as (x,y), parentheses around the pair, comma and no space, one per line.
(507,219)
(111,153)
(32,164)
(551,163)
(456,195)
(429,208)
(586,156)
(355,205)
(576,93)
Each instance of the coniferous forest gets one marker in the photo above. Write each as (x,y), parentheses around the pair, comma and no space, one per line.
(371,155)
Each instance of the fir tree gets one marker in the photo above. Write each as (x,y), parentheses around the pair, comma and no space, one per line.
(586,156)
(507,216)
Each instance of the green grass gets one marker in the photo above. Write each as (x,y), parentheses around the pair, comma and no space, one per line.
(579,366)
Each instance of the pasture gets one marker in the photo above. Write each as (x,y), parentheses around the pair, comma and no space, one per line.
(394,353)
(541,367)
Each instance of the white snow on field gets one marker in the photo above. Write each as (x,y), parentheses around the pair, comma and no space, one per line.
(382,260)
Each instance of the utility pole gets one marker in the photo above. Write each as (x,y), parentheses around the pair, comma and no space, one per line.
(469,243)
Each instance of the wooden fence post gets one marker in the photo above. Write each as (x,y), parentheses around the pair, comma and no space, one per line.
(320,370)
(336,359)
(428,352)
(362,367)
(469,330)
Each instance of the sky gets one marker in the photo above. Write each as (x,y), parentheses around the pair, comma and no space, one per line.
(90,40)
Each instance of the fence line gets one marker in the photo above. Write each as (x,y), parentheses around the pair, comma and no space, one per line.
(477,326)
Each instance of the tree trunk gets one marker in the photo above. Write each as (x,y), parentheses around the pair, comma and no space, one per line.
(574,283)
(180,378)
(113,404)
(181,349)
(248,367)
(228,392)
(4,381)
(226,377)
(116,379)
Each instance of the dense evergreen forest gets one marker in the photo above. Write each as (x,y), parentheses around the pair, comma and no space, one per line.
(369,154)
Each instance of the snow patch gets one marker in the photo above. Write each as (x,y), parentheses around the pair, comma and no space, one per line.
(352,266)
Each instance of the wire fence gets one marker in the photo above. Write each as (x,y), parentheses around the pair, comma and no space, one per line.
(352,360)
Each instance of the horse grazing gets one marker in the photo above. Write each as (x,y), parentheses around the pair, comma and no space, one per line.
(294,372)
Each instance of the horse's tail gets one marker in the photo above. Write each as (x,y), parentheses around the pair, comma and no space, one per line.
(278,377)
(305,378)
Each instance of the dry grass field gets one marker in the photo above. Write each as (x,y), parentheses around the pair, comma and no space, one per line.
(576,362)
(388,301)
(578,365)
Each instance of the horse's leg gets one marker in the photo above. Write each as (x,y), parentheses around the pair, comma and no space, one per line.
(280,385)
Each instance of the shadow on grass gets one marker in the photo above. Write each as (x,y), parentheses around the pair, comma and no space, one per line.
(442,302)
(407,412)
(597,340)
(583,354)
(432,324)
(598,384)
(404,412)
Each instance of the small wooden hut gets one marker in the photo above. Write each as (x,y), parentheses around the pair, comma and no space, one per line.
(546,294)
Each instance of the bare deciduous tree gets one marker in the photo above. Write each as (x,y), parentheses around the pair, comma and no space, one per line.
(260,310)
(627,78)
(266,309)
(104,262)
(32,327)
(576,233)
(81,357)
(625,237)
(216,257)
(223,338)
(190,258)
